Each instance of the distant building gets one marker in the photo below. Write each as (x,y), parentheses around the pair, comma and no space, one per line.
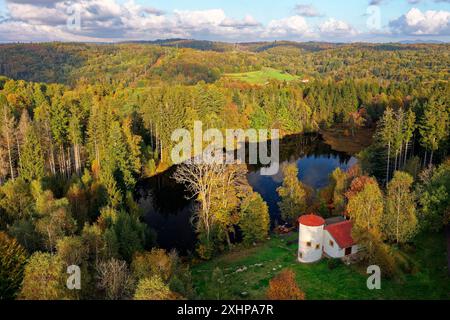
(318,237)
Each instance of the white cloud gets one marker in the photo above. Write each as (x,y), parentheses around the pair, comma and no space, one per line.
(294,26)
(109,20)
(307,10)
(416,22)
(247,22)
(24,32)
(199,19)
(336,28)
(100,20)
(114,20)
(215,23)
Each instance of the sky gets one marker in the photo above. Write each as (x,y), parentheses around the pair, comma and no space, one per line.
(225,20)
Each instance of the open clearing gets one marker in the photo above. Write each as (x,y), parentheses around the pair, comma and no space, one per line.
(247,273)
(262,76)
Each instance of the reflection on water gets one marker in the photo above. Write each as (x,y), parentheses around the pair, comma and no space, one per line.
(313,171)
(168,211)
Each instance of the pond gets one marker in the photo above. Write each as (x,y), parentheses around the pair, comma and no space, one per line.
(168,212)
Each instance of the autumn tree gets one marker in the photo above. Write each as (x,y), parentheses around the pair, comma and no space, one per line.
(338,183)
(434,126)
(400,221)
(386,133)
(16,200)
(366,210)
(284,287)
(72,250)
(358,184)
(22,131)
(292,194)
(131,234)
(254,220)
(94,240)
(408,130)
(13,258)
(121,233)
(8,145)
(4,168)
(397,144)
(155,263)
(31,157)
(44,278)
(153,288)
(232,187)
(54,218)
(433,194)
(42,121)
(201,179)
(166,267)
(356,120)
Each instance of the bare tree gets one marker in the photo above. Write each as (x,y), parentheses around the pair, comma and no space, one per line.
(114,279)
(213,184)
(4,166)
(201,180)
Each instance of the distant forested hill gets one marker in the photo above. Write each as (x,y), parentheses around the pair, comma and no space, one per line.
(188,62)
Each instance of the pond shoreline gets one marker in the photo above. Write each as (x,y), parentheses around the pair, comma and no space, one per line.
(168,212)
(341,139)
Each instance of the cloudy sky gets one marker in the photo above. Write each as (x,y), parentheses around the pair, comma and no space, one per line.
(225,20)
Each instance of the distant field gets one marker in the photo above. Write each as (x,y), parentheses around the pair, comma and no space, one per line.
(261,76)
(257,265)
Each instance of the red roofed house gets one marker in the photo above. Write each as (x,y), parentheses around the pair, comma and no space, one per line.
(338,241)
(332,237)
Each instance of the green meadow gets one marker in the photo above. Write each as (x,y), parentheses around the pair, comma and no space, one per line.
(245,273)
(262,76)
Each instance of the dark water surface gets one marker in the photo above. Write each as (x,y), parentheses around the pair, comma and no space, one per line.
(168,212)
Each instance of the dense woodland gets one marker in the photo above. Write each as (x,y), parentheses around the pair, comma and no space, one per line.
(81,124)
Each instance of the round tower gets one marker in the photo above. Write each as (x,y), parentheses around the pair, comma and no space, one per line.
(310,238)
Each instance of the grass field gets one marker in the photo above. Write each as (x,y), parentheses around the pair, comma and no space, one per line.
(261,263)
(262,76)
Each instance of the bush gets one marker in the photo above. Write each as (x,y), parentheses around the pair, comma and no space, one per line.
(153,288)
(284,287)
(154,263)
(44,278)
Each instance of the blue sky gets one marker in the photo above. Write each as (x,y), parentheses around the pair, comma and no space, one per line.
(232,20)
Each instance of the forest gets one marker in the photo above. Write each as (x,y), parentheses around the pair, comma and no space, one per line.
(82,124)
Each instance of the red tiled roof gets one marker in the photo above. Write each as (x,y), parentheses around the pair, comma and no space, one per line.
(342,233)
(311,220)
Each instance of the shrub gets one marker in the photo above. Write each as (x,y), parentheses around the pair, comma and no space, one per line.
(284,287)
(153,288)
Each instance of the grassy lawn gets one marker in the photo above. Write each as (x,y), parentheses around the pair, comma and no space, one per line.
(261,76)
(430,281)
